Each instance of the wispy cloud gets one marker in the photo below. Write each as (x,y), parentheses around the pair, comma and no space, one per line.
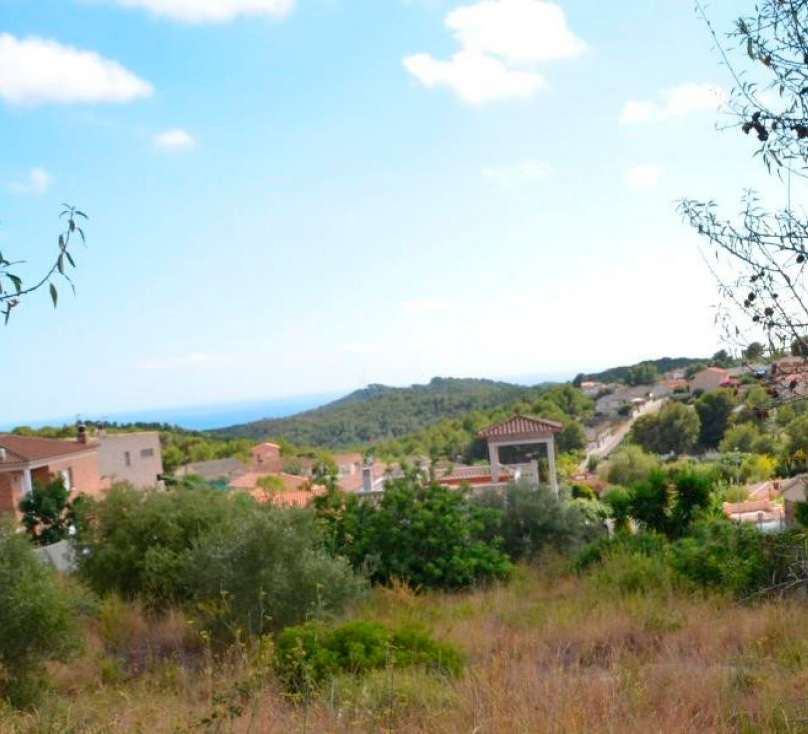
(521,174)
(36,71)
(36,183)
(643,177)
(209,11)
(173,140)
(676,102)
(500,42)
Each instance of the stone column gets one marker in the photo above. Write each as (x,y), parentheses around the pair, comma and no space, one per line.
(493,458)
(27,483)
(551,465)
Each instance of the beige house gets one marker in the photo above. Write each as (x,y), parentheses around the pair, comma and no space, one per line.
(708,379)
(135,458)
(793,492)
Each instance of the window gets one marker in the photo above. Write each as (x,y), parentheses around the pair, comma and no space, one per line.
(127,458)
(146,453)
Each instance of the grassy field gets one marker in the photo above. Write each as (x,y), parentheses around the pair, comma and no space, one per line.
(549,652)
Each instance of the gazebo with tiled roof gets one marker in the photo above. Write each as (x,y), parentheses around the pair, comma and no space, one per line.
(521,430)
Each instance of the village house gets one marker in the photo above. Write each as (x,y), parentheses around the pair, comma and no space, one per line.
(214,471)
(266,457)
(611,404)
(793,493)
(135,458)
(710,378)
(26,460)
(277,488)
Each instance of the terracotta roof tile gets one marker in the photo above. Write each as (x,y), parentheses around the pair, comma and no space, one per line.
(23,449)
(520,425)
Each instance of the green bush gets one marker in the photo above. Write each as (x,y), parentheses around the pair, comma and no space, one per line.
(310,654)
(627,466)
(736,558)
(268,569)
(625,572)
(38,617)
(531,520)
(238,566)
(423,534)
(136,542)
(644,543)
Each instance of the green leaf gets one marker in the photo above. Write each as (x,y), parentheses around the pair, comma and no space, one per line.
(16,280)
(54,294)
(60,264)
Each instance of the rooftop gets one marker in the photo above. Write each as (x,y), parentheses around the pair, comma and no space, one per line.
(24,449)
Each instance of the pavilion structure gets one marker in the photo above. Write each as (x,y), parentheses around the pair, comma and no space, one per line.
(521,430)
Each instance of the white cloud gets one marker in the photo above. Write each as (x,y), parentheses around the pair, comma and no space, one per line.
(519,31)
(37,182)
(35,70)
(643,177)
(175,139)
(427,305)
(676,102)
(474,77)
(521,174)
(500,41)
(209,11)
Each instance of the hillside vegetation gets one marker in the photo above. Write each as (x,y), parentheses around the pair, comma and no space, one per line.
(661,366)
(378,413)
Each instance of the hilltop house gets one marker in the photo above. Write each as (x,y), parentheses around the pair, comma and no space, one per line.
(216,470)
(710,378)
(27,459)
(135,458)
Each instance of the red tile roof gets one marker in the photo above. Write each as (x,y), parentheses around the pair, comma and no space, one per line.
(24,449)
(521,425)
(296,492)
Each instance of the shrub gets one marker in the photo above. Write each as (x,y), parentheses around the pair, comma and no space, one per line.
(48,513)
(674,429)
(645,543)
(420,533)
(628,465)
(619,500)
(533,520)
(136,540)
(38,617)
(736,557)
(239,566)
(625,572)
(268,569)
(310,654)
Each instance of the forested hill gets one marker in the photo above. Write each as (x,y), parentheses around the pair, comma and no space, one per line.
(379,413)
(660,366)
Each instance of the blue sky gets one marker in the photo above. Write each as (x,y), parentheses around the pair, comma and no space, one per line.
(303,196)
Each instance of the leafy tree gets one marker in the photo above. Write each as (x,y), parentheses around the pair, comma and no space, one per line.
(721,358)
(619,499)
(534,519)
(628,465)
(12,288)
(675,429)
(643,374)
(39,617)
(754,352)
(47,512)
(421,533)
(715,408)
(761,271)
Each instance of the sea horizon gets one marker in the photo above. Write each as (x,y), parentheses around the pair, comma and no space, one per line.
(202,417)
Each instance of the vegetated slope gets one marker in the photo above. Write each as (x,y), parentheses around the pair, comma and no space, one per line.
(665,364)
(379,413)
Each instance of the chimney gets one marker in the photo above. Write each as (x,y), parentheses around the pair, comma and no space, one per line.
(82,433)
(367,478)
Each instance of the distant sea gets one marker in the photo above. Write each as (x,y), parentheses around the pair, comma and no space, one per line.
(198,417)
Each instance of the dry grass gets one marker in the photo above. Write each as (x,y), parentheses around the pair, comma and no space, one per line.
(545,654)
